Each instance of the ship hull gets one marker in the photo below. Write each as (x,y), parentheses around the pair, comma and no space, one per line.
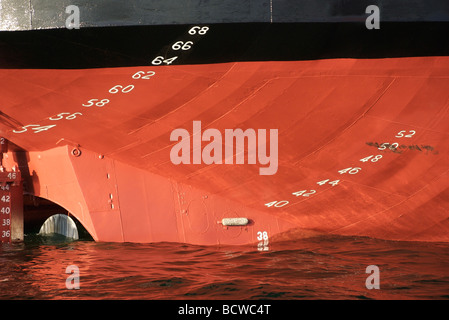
(361,123)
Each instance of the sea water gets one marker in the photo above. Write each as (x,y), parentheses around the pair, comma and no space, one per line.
(325,267)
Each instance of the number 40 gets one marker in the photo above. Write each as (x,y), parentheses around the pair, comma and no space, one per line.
(277,204)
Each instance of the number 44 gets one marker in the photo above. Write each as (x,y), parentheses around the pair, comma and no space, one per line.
(333,183)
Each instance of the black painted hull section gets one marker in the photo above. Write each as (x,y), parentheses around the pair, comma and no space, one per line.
(138,45)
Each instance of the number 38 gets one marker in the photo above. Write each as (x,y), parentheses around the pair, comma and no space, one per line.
(262,235)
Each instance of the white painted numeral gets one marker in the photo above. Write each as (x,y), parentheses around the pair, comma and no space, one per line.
(24,128)
(322,182)
(350,170)
(36,130)
(157,61)
(160,59)
(200,30)
(277,204)
(119,88)
(303,193)
(409,135)
(392,146)
(59,116)
(143,75)
(6,222)
(262,235)
(6,234)
(333,183)
(5,210)
(43,128)
(6,199)
(180,45)
(70,117)
(375,159)
(73,116)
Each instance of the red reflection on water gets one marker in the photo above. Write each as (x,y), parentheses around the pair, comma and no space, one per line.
(316,268)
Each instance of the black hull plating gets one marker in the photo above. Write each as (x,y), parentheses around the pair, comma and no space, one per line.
(139,45)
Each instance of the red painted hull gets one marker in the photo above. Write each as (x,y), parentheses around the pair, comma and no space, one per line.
(330,114)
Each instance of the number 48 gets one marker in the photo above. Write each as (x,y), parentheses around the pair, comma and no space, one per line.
(375,159)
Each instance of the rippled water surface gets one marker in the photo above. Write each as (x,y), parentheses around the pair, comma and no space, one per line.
(314,268)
